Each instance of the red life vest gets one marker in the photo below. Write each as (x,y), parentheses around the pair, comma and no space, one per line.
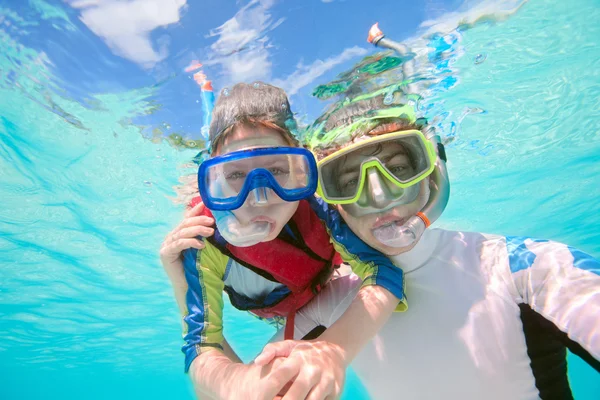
(303,270)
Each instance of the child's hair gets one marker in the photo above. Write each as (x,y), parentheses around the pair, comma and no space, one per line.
(254,124)
(251,104)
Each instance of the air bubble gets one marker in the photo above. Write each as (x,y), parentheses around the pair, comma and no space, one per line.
(256,85)
(225,92)
(479,58)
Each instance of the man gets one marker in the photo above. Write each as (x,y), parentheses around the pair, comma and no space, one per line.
(488,316)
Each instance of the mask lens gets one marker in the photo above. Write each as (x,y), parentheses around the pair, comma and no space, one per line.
(229,179)
(403,157)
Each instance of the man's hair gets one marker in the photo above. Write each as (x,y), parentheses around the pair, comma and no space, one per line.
(349,113)
(400,125)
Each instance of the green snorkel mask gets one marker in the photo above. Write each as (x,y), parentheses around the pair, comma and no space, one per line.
(369,166)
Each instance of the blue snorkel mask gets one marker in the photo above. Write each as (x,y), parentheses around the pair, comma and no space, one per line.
(226,181)
(255,178)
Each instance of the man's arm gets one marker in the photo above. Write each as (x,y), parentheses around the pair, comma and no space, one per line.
(561,285)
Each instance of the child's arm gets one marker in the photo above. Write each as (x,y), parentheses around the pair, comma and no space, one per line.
(215,373)
(382,292)
(184,236)
(370,310)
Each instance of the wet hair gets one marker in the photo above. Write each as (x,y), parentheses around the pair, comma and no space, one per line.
(349,113)
(251,105)
(399,124)
(254,124)
(355,111)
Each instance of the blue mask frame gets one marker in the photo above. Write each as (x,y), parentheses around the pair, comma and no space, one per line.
(258,178)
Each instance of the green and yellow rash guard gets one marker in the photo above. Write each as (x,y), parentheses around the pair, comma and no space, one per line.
(209,273)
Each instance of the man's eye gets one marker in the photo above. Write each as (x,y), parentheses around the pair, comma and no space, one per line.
(397,169)
(400,170)
(349,184)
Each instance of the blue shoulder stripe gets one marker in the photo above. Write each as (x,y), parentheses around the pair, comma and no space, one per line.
(584,261)
(519,256)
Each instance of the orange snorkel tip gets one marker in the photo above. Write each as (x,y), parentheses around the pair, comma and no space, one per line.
(194,65)
(424,218)
(375,34)
(207,86)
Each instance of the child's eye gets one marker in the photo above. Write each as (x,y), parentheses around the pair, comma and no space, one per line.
(235,175)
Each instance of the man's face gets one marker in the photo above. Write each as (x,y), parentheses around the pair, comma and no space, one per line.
(382,207)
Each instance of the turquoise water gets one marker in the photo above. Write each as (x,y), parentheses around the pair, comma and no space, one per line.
(88,184)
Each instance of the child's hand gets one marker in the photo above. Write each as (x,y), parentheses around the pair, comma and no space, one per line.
(185,235)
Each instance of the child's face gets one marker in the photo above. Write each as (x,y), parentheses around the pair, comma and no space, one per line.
(277,212)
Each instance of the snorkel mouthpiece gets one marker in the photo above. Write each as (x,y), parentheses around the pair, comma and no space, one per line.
(240,235)
(392,235)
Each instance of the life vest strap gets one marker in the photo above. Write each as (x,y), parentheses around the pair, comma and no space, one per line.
(288,333)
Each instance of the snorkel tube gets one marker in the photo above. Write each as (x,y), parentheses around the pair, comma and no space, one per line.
(207,95)
(439,184)
(378,39)
(208,103)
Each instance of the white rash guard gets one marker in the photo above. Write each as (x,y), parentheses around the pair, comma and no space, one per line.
(489,317)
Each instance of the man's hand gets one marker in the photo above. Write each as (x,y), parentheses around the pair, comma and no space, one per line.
(318,368)
(217,377)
